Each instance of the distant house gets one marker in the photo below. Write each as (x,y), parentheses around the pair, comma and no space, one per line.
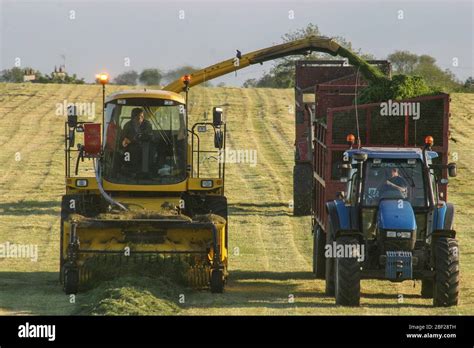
(29,75)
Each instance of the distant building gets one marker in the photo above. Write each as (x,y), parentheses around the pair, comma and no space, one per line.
(29,75)
(59,73)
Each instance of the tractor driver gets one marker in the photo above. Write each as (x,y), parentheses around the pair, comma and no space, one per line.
(395,184)
(136,133)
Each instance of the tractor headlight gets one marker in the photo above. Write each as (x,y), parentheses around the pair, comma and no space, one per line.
(206,183)
(391,234)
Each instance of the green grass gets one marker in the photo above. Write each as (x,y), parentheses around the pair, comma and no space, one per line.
(271,250)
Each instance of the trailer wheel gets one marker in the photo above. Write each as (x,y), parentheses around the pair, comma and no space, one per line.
(71,280)
(302,189)
(319,261)
(446,284)
(217,281)
(347,277)
(329,272)
(427,288)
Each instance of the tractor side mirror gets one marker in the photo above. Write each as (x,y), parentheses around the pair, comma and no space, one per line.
(452,169)
(218,139)
(344,170)
(217,117)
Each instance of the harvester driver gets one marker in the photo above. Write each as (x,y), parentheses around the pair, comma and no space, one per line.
(136,133)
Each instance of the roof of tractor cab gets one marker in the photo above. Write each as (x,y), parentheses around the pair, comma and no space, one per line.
(145,93)
(393,152)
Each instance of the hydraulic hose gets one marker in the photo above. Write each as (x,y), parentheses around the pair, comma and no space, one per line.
(104,194)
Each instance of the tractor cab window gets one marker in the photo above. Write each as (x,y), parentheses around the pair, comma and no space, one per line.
(394,179)
(145,142)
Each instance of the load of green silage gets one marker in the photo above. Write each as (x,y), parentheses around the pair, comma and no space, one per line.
(381,88)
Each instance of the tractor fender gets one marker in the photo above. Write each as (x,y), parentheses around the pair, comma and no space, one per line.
(338,214)
(444,217)
(449,216)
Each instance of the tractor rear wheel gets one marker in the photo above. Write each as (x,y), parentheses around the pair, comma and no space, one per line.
(427,287)
(319,261)
(217,281)
(347,273)
(446,284)
(71,280)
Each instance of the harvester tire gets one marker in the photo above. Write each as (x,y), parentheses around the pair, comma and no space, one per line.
(427,288)
(446,284)
(71,280)
(329,273)
(217,281)
(347,271)
(319,261)
(302,189)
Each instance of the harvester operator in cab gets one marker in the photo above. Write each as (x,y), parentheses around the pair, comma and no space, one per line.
(137,133)
(136,129)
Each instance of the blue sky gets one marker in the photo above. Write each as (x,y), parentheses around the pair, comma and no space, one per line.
(101,35)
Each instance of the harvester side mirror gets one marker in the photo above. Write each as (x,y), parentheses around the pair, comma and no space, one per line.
(71,116)
(218,139)
(452,169)
(217,117)
(71,123)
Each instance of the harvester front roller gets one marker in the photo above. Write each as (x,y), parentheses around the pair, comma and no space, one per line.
(96,249)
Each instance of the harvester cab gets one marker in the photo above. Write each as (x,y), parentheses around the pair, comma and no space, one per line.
(392,223)
(148,194)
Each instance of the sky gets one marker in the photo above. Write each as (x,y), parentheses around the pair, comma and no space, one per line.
(115,36)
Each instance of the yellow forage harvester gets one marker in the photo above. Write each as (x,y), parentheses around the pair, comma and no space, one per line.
(149,192)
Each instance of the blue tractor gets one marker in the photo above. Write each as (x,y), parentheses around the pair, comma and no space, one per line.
(391,223)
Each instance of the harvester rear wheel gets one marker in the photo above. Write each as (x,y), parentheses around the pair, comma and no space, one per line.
(71,280)
(347,275)
(446,284)
(217,281)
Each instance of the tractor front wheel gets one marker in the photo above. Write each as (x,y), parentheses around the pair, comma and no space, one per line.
(347,275)
(330,261)
(319,261)
(446,284)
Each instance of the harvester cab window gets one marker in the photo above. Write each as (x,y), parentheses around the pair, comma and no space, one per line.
(394,179)
(149,142)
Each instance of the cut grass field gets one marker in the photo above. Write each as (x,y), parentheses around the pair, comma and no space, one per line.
(270,262)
